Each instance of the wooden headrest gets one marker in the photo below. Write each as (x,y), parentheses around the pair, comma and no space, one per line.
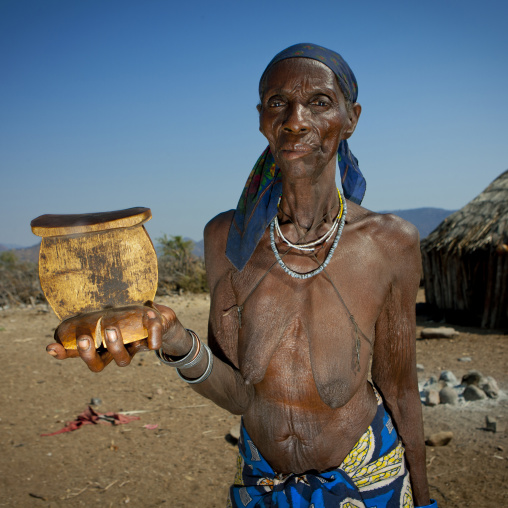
(62,225)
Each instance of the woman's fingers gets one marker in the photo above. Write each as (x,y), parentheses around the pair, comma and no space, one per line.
(153,321)
(167,313)
(59,352)
(164,330)
(116,348)
(89,354)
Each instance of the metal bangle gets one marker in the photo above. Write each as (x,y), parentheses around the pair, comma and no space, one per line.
(164,358)
(207,372)
(197,356)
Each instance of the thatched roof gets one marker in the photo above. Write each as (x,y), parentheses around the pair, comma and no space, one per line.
(480,225)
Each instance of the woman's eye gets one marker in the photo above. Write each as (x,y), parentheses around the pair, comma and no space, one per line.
(320,102)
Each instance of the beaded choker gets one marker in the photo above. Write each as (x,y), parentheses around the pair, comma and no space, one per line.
(337,226)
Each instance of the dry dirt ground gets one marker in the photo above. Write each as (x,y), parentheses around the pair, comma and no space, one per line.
(187,461)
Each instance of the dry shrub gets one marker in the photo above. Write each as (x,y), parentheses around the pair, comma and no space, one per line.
(19,281)
(179,269)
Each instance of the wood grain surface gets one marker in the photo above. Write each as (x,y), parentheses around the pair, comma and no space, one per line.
(90,272)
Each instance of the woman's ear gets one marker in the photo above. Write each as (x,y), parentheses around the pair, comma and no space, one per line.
(354,113)
(259,108)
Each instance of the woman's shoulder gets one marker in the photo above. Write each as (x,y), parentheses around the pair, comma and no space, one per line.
(220,224)
(215,238)
(384,228)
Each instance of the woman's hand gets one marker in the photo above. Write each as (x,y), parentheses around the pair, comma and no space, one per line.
(163,327)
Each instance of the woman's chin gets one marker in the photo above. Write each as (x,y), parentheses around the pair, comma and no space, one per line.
(301,168)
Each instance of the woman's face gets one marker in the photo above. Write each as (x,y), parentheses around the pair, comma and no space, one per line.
(303,115)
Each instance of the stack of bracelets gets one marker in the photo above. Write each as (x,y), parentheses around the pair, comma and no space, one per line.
(190,359)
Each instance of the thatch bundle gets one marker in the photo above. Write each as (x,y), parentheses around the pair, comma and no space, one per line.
(465,259)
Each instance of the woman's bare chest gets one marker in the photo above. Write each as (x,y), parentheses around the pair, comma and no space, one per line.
(281,318)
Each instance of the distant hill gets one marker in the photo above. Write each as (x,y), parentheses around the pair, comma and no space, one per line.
(9,246)
(199,249)
(425,219)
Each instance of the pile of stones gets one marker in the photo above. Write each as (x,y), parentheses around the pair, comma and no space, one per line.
(447,390)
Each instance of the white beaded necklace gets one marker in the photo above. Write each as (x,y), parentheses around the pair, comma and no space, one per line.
(320,268)
(311,246)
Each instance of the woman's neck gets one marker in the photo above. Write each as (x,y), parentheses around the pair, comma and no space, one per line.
(310,206)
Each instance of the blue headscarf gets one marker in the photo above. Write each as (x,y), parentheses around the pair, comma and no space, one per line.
(258,203)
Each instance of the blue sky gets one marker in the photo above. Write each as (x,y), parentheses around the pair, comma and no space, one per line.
(109,104)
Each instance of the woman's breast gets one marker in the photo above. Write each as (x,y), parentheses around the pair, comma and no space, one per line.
(302,345)
(283,375)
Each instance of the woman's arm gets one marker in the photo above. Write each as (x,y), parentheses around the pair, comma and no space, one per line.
(394,357)
(225,386)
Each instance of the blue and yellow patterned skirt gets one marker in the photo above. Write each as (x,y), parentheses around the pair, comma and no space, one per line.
(373,475)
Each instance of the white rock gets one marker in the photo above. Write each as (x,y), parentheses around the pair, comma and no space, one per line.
(234,431)
(442,332)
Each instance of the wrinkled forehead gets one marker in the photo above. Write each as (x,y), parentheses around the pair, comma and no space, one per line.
(298,73)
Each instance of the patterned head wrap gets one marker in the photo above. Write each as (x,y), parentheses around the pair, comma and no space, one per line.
(258,203)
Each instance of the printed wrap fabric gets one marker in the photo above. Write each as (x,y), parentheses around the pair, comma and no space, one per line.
(373,475)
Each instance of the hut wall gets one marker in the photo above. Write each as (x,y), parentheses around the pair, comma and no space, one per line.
(474,285)
(495,313)
(446,281)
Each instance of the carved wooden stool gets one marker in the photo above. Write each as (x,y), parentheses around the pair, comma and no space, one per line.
(95,269)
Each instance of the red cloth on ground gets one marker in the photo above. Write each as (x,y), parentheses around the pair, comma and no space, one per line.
(90,416)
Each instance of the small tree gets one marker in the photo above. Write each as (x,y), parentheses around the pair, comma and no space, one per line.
(179,268)
(178,251)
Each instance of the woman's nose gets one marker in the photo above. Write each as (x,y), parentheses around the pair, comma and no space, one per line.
(296,120)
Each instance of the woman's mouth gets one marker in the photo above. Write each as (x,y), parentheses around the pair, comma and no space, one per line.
(291,152)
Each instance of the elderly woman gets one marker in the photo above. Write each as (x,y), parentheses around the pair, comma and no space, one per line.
(306,288)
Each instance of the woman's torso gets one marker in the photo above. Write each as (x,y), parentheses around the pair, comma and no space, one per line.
(298,346)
